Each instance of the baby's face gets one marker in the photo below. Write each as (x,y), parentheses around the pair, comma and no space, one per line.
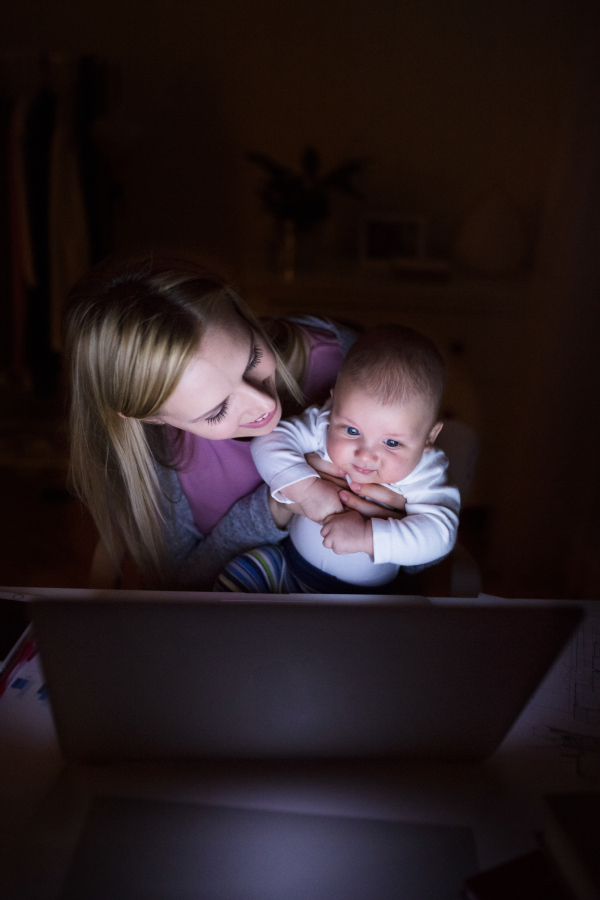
(378,442)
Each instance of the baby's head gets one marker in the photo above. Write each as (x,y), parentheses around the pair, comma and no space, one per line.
(385,405)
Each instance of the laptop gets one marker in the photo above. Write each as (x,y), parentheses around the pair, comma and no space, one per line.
(143,675)
(135,849)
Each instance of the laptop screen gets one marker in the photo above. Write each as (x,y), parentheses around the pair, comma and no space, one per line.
(148,676)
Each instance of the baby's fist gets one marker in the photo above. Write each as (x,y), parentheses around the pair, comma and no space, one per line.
(316,498)
(348,532)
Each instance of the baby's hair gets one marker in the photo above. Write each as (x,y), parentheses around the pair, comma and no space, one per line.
(396,363)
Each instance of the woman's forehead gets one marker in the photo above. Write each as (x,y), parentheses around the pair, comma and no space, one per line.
(223,348)
(231,330)
(212,374)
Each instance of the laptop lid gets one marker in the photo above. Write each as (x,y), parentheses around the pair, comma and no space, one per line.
(150,675)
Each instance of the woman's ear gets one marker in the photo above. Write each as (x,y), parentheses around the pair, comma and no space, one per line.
(432,436)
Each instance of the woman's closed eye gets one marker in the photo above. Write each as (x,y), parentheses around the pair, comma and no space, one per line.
(214,420)
(257,355)
(256,358)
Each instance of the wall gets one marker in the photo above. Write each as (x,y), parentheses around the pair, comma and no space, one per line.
(447,99)
(548,529)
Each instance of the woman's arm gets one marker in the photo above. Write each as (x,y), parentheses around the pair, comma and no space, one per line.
(194,560)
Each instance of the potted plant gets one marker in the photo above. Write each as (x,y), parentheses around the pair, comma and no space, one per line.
(299,201)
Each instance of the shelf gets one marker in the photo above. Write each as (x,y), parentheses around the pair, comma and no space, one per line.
(355,289)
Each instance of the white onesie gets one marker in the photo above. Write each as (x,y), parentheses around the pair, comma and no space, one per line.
(425,534)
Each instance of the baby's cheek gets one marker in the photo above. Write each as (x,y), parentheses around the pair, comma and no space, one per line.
(335,449)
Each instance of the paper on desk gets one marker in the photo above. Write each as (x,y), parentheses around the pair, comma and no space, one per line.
(30,758)
(563,716)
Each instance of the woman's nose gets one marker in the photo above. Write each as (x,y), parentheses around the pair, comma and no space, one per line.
(256,402)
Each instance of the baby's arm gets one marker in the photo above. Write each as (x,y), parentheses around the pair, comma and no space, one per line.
(428,531)
(279,457)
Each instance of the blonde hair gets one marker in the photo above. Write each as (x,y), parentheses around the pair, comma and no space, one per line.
(131,329)
(395,363)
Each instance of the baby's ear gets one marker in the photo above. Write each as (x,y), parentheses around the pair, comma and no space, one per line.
(331,392)
(433,435)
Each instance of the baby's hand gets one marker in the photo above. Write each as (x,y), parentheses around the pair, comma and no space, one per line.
(315,498)
(348,532)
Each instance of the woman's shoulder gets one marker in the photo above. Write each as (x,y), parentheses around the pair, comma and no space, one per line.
(321,329)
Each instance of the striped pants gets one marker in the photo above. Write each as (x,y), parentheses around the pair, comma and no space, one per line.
(279,569)
(263,570)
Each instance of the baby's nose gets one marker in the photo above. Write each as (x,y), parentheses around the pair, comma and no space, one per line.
(366,452)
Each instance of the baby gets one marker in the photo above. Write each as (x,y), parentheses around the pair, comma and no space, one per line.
(379,426)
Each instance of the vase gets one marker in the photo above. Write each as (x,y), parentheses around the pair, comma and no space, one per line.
(286,253)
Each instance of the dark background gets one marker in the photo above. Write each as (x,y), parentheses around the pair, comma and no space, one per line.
(450,101)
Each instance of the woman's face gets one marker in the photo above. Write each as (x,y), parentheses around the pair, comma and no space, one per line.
(228,389)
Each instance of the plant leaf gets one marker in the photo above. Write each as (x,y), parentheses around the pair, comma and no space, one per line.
(269,164)
(340,178)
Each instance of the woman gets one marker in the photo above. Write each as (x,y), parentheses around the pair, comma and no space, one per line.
(171,375)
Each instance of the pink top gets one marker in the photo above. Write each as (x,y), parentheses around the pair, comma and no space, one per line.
(218,473)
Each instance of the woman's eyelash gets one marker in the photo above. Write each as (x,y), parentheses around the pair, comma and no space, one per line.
(256,358)
(258,355)
(218,416)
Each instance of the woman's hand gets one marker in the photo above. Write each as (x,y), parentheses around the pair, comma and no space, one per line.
(327,470)
(355,498)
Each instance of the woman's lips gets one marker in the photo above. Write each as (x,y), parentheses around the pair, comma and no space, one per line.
(262,420)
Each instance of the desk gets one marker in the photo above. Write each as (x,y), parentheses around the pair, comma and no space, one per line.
(553,746)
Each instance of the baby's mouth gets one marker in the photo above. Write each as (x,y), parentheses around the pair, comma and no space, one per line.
(363,471)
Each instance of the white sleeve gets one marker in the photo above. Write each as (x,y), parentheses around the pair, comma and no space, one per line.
(279,456)
(428,531)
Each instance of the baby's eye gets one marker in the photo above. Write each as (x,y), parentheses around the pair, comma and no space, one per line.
(353,432)
(391,443)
